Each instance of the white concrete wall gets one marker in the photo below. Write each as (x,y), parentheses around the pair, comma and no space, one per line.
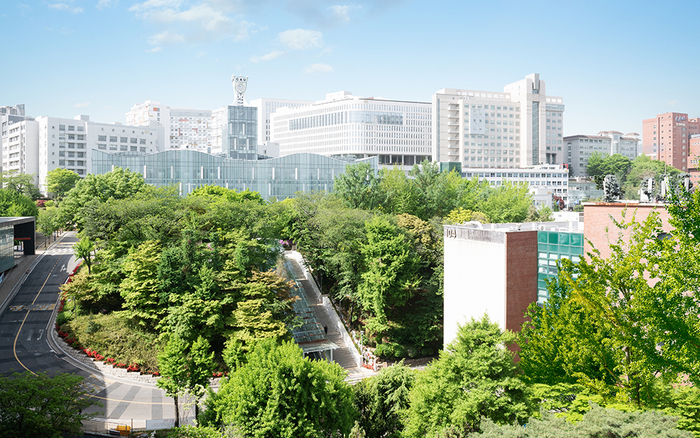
(474,282)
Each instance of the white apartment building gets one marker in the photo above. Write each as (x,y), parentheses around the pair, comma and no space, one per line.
(581,147)
(397,132)
(19,152)
(266,107)
(518,127)
(185,128)
(545,181)
(68,143)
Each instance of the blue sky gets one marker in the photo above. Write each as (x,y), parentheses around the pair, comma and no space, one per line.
(614,63)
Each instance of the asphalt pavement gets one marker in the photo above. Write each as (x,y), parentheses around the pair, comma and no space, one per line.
(28,343)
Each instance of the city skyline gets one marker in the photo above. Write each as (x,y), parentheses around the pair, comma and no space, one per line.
(614,64)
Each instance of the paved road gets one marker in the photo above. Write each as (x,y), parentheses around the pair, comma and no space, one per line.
(26,346)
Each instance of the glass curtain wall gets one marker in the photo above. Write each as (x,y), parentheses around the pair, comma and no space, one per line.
(278,178)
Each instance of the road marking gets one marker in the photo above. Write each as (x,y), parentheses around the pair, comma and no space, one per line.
(31,332)
(41,333)
(37,307)
(14,345)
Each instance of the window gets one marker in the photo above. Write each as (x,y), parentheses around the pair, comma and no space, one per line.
(101,138)
(113,139)
(71,128)
(123,139)
(102,146)
(142,141)
(61,127)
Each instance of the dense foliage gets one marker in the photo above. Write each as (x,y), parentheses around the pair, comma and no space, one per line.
(40,405)
(279,393)
(629,173)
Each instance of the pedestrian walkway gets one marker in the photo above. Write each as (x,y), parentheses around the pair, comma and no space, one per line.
(342,355)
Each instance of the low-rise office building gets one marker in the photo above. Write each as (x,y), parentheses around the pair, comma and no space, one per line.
(550,180)
(278,178)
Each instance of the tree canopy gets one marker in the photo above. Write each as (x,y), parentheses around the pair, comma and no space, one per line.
(39,405)
(279,393)
(60,181)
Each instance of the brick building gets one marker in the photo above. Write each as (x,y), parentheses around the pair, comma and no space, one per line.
(667,138)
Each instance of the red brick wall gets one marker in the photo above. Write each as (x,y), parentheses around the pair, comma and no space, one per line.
(596,217)
(521,276)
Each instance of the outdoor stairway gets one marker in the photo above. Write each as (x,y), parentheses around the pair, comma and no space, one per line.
(342,355)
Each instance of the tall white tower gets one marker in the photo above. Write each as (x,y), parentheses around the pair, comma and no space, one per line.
(240,84)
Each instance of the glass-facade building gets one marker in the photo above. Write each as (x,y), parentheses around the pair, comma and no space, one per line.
(553,246)
(242,132)
(278,178)
(7,256)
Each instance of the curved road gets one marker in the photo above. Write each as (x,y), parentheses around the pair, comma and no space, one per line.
(26,345)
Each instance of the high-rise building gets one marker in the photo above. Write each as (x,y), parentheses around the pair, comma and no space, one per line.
(580,148)
(518,127)
(266,107)
(19,151)
(397,132)
(185,128)
(667,138)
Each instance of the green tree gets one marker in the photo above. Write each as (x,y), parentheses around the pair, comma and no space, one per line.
(93,189)
(596,165)
(39,405)
(474,378)
(390,275)
(141,288)
(598,422)
(59,181)
(22,183)
(382,400)
(461,215)
(359,187)
(279,393)
(83,249)
(624,315)
(508,202)
(13,203)
(184,369)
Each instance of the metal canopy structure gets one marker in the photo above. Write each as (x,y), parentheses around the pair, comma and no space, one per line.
(310,336)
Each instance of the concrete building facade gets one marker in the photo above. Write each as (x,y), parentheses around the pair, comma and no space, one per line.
(268,106)
(396,132)
(69,143)
(518,127)
(552,179)
(667,137)
(184,128)
(580,148)
(694,159)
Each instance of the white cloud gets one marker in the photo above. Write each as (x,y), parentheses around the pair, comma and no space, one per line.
(270,56)
(81,105)
(166,37)
(341,13)
(107,107)
(107,4)
(200,54)
(318,69)
(205,19)
(299,39)
(65,7)
(673,102)
(154,4)
(154,50)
